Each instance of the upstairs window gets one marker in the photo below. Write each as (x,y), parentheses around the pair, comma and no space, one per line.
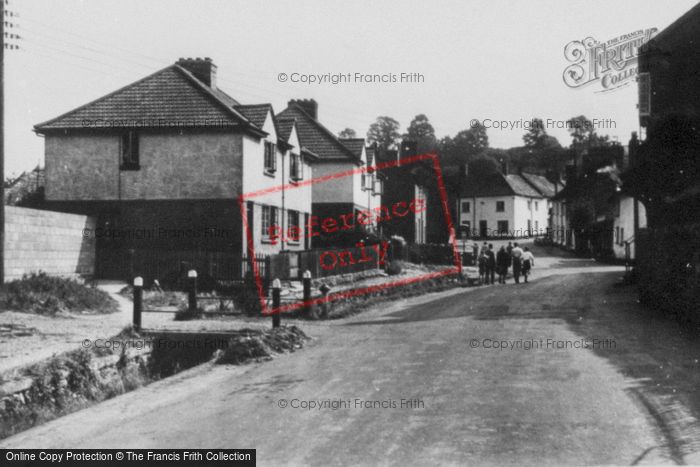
(500,206)
(269,221)
(466,207)
(537,206)
(270,157)
(129,148)
(295,168)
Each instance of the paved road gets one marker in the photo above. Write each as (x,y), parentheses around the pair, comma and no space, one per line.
(470,404)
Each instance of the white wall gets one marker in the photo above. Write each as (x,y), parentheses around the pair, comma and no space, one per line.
(516,212)
(255,178)
(623,226)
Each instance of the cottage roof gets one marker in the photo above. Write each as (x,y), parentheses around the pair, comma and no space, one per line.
(171,97)
(316,138)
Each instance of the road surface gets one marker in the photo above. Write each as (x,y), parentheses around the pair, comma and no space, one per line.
(419,382)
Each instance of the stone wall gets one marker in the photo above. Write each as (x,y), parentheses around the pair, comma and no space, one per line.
(53,242)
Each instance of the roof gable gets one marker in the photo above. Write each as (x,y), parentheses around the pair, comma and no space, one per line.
(316,138)
(171,97)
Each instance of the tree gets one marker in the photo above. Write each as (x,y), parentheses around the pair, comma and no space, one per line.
(583,134)
(464,146)
(484,164)
(536,135)
(420,128)
(385,132)
(347,133)
(422,132)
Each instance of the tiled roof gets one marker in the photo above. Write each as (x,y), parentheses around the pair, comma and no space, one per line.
(315,137)
(256,113)
(541,184)
(370,155)
(497,184)
(166,98)
(284,128)
(520,186)
(354,144)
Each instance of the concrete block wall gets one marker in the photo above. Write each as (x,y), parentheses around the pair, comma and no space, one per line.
(52,242)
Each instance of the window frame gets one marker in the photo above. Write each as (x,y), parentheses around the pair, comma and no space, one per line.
(501,205)
(469,207)
(270,158)
(296,171)
(291,213)
(129,151)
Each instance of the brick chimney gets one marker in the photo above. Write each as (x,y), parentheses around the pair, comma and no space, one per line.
(310,106)
(202,68)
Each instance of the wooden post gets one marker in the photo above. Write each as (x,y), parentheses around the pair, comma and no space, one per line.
(307,292)
(276,302)
(325,289)
(138,303)
(192,290)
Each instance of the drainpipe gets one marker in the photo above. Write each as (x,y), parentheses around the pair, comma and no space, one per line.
(282,214)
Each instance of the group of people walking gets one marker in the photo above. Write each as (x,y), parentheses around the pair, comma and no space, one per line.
(492,263)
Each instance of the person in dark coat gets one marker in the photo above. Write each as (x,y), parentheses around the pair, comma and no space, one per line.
(490,265)
(482,260)
(502,264)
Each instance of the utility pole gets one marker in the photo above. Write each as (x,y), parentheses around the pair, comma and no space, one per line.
(2,138)
(8,43)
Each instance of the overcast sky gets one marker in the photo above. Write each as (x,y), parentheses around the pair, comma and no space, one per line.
(480,59)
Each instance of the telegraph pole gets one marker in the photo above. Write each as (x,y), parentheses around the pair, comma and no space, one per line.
(3,20)
(8,43)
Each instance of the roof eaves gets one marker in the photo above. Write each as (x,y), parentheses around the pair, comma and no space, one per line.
(328,133)
(38,128)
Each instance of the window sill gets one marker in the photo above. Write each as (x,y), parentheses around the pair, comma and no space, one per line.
(270,173)
(129,167)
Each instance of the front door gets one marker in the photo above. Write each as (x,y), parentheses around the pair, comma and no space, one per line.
(483,229)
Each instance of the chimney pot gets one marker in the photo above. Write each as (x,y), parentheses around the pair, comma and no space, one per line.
(310,106)
(203,70)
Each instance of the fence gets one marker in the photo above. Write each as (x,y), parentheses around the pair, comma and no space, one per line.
(427,253)
(324,262)
(170,267)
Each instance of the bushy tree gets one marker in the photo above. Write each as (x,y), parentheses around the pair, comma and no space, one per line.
(347,133)
(385,132)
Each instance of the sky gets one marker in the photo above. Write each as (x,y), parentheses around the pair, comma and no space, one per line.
(485,60)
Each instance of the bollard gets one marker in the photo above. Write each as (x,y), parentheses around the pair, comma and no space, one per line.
(276,302)
(307,292)
(138,303)
(325,290)
(192,290)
